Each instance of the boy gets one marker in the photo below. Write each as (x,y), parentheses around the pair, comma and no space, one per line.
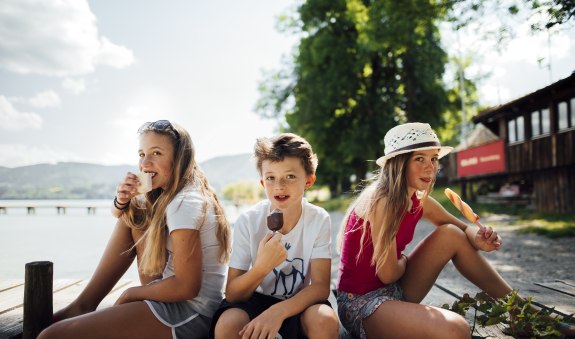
(279,282)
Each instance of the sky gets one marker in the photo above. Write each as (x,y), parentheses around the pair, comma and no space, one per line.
(77,77)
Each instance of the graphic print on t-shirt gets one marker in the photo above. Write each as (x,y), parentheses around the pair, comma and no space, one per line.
(287,278)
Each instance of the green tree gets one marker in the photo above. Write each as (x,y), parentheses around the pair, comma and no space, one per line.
(360,68)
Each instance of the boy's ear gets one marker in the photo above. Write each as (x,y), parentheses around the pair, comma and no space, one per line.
(262,183)
(310,180)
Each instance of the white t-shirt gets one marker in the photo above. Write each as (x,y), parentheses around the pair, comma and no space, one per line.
(309,239)
(185,212)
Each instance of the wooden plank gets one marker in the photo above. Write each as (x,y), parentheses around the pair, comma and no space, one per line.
(559,286)
(10,283)
(563,304)
(65,291)
(14,298)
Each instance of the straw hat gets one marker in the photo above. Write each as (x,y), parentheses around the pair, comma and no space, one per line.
(413,136)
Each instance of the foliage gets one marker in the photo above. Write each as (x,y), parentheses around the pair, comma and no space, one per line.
(542,14)
(244,192)
(360,68)
(524,320)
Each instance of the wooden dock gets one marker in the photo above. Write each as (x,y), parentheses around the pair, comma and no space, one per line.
(558,294)
(64,292)
(61,208)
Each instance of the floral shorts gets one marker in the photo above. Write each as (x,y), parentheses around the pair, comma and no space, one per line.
(353,308)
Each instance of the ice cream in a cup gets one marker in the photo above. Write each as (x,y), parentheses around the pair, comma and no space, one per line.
(145,182)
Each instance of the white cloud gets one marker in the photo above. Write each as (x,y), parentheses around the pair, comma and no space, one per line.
(12,119)
(45,99)
(55,38)
(75,86)
(15,155)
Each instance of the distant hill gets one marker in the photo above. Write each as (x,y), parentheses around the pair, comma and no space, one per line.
(227,169)
(71,180)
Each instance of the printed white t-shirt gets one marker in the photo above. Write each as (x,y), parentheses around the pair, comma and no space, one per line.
(309,239)
(185,212)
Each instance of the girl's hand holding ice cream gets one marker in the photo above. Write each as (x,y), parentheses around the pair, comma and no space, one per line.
(132,185)
(486,238)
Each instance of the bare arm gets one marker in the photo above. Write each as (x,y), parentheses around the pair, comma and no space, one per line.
(486,240)
(185,283)
(242,284)
(393,268)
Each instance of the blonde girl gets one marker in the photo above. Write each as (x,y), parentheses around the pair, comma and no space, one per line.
(181,239)
(379,287)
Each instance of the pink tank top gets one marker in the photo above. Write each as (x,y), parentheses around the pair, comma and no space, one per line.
(359,276)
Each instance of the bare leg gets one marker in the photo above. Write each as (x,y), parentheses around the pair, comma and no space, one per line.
(115,261)
(446,243)
(399,319)
(131,320)
(230,323)
(319,321)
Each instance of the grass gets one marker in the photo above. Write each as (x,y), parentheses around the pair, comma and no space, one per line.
(529,221)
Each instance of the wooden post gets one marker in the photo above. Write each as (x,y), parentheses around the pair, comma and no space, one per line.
(37,298)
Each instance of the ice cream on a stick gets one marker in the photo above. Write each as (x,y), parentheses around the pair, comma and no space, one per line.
(275,220)
(462,206)
(145,182)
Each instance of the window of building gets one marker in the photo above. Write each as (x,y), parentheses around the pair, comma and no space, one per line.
(545,124)
(511,129)
(535,124)
(563,117)
(520,128)
(572,112)
(540,122)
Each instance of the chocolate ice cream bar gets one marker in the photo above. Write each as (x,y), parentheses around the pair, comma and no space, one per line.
(276,220)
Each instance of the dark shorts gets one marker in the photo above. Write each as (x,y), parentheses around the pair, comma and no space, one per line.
(257,304)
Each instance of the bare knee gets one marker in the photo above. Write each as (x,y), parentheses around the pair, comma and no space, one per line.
(457,327)
(56,330)
(230,322)
(320,321)
(451,232)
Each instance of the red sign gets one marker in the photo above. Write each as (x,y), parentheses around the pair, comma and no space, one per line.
(484,159)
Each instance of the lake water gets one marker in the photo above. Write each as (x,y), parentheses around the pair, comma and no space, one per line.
(74,241)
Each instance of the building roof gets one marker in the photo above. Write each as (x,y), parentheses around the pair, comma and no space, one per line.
(537,96)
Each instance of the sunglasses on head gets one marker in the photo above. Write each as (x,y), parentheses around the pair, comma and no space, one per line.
(159,126)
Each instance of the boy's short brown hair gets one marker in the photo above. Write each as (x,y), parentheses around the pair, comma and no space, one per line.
(285,145)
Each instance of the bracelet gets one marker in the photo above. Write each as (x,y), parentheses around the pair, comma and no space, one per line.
(120,206)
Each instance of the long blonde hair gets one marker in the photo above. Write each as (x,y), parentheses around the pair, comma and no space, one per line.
(148,212)
(391,184)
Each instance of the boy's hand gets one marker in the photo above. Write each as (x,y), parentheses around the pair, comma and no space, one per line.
(271,252)
(266,325)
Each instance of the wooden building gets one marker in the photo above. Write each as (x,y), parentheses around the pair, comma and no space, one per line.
(536,153)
